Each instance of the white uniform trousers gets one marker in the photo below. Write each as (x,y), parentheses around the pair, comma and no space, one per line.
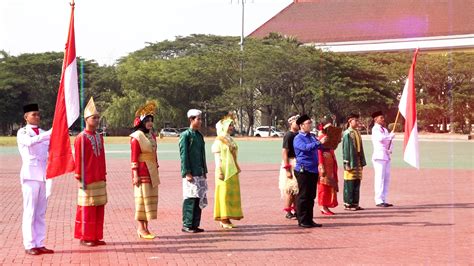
(381,180)
(34,212)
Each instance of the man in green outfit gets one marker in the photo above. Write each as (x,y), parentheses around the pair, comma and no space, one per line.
(354,160)
(193,172)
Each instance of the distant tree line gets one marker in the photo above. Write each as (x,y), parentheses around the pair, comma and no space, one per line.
(280,76)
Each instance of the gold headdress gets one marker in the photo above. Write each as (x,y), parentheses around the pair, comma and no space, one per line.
(90,109)
(148,109)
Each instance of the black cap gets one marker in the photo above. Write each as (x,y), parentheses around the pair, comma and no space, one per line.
(375,114)
(302,119)
(352,115)
(30,108)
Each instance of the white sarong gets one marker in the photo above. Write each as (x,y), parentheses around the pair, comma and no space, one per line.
(196,189)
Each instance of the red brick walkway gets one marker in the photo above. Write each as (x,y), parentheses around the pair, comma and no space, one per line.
(432,223)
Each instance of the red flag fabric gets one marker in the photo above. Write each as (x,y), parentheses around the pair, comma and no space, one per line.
(60,160)
(407,108)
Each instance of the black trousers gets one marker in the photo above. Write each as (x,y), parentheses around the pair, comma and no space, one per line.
(191,213)
(305,199)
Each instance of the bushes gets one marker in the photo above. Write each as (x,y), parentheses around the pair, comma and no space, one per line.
(399,127)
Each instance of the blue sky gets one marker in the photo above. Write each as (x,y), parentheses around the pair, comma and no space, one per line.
(109,29)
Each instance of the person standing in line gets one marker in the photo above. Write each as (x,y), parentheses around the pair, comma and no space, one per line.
(33,145)
(328,181)
(306,171)
(90,172)
(194,173)
(144,164)
(382,143)
(287,181)
(354,160)
(227,203)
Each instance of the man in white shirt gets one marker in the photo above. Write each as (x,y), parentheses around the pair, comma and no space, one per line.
(33,144)
(382,143)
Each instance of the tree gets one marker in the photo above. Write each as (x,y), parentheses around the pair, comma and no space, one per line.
(24,79)
(198,71)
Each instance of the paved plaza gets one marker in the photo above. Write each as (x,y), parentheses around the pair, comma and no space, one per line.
(431,223)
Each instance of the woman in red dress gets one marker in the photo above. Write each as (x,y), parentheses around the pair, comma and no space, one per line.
(327,183)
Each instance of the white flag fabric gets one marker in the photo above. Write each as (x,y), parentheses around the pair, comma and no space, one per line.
(407,108)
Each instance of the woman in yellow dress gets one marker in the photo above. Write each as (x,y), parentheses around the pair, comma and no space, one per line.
(227,204)
(145,176)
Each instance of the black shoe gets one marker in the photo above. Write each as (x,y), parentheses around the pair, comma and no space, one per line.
(188,230)
(306,225)
(44,250)
(388,205)
(381,205)
(289,215)
(32,251)
(198,230)
(349,207)
(87,243)
(317,225)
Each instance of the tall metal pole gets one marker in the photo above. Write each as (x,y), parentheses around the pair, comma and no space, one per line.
(82,127)
(241,81)
(242,33)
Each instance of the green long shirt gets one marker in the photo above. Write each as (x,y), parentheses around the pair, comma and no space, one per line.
(192,153)
(350,157)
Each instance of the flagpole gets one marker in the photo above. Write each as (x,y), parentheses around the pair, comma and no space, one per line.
(81,115)
(82,123)
(396,121)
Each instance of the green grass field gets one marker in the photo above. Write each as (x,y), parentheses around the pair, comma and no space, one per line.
(433,154)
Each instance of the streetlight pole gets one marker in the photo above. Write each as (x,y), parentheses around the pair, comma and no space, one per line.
(241,80)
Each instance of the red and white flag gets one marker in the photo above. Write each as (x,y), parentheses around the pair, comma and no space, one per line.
(60,160)
(407,108)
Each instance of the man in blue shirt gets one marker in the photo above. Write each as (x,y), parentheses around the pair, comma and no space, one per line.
(306,171)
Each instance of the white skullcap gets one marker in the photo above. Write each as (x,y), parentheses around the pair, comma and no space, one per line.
(293,119)
(194,112)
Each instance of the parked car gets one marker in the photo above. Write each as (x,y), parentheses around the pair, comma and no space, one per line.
(169,132)
(263,132)
(181,130)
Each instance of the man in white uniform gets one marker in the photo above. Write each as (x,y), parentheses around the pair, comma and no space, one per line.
(382,142)
(33,144)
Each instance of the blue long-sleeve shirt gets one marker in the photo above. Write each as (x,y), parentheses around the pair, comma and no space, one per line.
(306,149)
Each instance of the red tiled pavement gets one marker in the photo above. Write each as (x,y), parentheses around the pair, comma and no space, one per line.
(432,223)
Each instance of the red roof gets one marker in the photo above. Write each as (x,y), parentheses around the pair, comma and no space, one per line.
(313,21)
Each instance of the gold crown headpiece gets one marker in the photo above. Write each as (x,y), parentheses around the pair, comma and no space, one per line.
(90,109)
(148,109)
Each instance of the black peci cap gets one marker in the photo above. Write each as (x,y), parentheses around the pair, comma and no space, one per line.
(30,108)
(375,114)
(302,119)
(352,115)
